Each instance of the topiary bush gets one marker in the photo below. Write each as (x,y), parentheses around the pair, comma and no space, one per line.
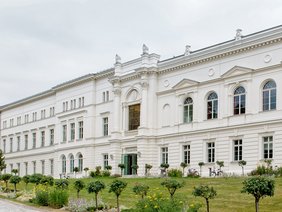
(174,173)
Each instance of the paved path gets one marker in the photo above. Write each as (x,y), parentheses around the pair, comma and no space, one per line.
(9,206)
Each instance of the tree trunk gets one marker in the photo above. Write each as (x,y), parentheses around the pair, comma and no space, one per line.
(117,204)
(15,187)
(208,205)
(6,185)
(96,201)
(257,205)
(77,193)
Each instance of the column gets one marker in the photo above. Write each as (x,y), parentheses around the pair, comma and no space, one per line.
(117,93)
(144,105)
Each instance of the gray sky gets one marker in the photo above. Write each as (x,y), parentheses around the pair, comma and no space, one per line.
(46,42)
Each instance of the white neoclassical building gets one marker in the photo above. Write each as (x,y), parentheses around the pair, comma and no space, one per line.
(223,102)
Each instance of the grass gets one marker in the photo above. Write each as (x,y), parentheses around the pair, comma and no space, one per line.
(229,196)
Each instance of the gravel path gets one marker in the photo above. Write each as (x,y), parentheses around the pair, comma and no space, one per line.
(9,206)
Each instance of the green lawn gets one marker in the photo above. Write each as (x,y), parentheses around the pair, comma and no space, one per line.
(229,197)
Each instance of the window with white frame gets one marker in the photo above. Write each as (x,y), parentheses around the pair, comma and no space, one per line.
(238,149)
(239,101)
(42,138)
(64,133)
(43,167)
(268,147)
(105,126)
(80,130)
(52,167)
(52,111)
(33,140)
(80,162)
(212,106)
(105,160)
(269,96)
(64,164)
(133,117)
(18,143)
(11,166)
(71,163)
(25,142)
(26,168)
(52,136)
(11,144)
(4,145)
(26,118)
(186,154)
(34,167)
(210,152)
(19,120)
(19,169)
(164,155)
(34,116)
(11,122)
(4,124)
(188,110)
(72,131)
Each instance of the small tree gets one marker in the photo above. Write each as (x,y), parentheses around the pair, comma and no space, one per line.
(78,185)
(205,192)
(183,165)
(75,170)
(95,187)
(86,169)
(25,179)
(164,167)
(259,187)
(6,178)
(141,189)
(172,186)
(220,164)
(121,166)
(201,164)
(147,169)
(15,171)
(242,163)
(15,180)
(2,162)
(135,167)
(117,186)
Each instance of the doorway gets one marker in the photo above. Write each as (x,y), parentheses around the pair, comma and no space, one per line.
(129,160)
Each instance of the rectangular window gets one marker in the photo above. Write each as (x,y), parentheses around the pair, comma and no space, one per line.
(51,137)
(106,160)
(26,118)
(72,131)
(211,152)
(25,142)
(26,168)
(268,147)
(71,104)
(238,149)
(43,167)
(82,101)
(34,116)
(104,96)
(33,140)
(11,144)
(11,167)
(107,96)
(64,133)
(4,145)
(42,138)
(19,169)
(186,154)
(43,114)
(18,143)
(134,117)
(11,122)
(64,106)
(105,126)
(4,124)
(74,103)
(164,154)
(52,167)
(79,102)
(80,130)
(34,167)
(19,120)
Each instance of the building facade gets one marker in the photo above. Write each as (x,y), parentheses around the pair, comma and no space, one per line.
(223,102)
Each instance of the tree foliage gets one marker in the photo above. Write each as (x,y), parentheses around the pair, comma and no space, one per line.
(172,186)
(206,192)
(6,178)
(35,178)
(95,187)
(117,186)
(259,187)
(78,185)
(62,184)
(15,180)
(141,189)
(2,161)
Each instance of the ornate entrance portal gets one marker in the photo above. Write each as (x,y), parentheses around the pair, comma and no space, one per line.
(129,160)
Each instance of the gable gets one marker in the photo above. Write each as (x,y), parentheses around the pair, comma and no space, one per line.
(185,83)
(236,71)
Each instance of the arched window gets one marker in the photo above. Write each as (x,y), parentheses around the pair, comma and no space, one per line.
(239,101)
(212,106)
(64,164)
(80,162)
(71,163)
(188,110)
(269,96)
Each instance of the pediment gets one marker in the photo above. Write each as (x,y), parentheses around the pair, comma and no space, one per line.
(185,83)
(236,71)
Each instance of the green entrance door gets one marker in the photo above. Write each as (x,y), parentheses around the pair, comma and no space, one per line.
(129,160)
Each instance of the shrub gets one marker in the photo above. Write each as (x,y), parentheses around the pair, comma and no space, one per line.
(78,185)
(41,196)
(6,178)
(147,168)
(157,202)
(98,171)
(262,170)
(141,189)
(174,173)
(35,178)
(25,179)
(95,187)
(15,180)
(117,186)
(58,198)
(278,172)
(108,167)
(77,205)
(172,186)
(62,184)
(259,187)
(206,192)
(116,175)
(106,173)
(92,174)
(47,180)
